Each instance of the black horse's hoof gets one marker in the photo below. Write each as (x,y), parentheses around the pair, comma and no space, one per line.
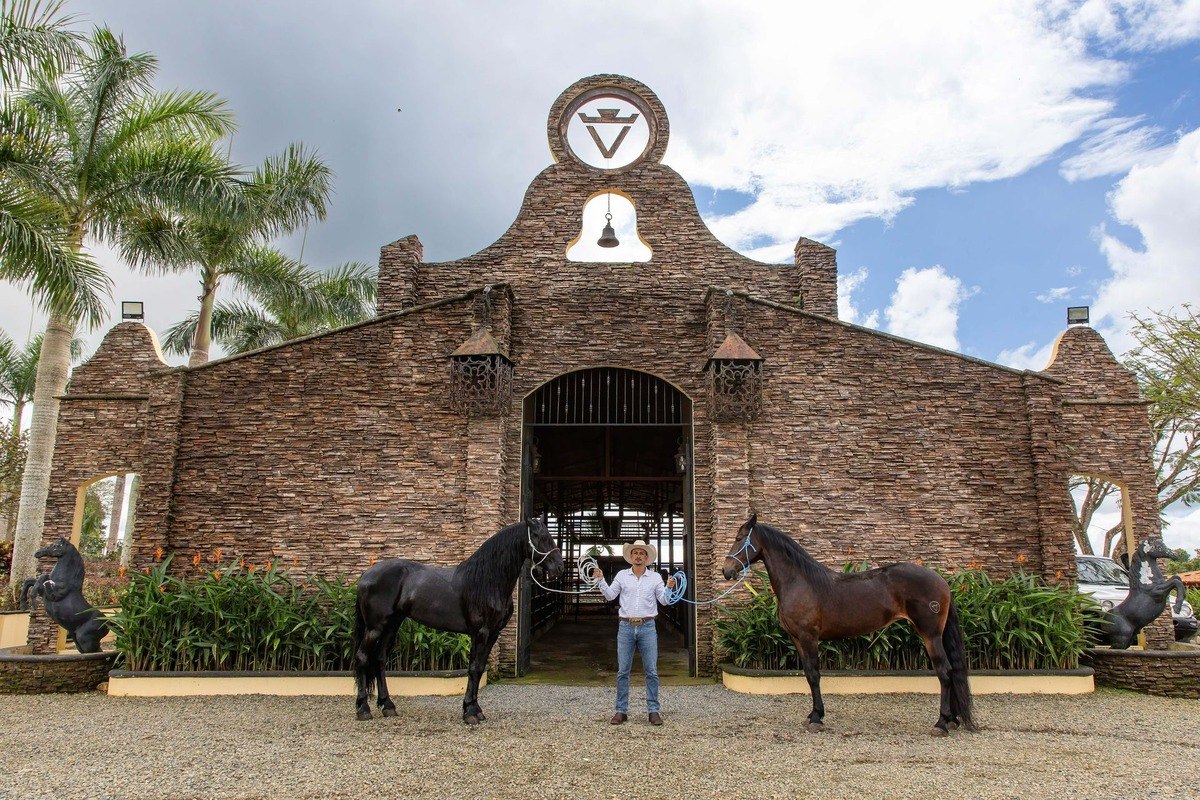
(938,731)
(389,711)
(470,719)
(481,716)
(815,727)
(952,726)
(364,713)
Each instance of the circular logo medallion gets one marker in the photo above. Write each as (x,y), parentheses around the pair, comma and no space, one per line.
(608,128)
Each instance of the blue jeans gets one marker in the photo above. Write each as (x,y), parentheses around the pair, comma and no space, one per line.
(645,639)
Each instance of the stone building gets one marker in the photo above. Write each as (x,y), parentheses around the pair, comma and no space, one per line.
(664,398)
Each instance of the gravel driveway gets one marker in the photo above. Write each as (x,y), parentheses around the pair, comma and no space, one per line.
(555,742)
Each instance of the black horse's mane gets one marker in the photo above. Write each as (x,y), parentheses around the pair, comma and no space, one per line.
(781,543)
(492,568)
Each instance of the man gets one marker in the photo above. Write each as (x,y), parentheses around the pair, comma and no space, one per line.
(640,590)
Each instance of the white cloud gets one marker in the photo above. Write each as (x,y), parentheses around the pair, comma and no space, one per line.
(925,306)
(1117,147)
(847,285)
(1029,356)
(1055,294)
(1162,201)
(1133,24)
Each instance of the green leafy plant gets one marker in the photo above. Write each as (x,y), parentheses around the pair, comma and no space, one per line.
(236,617)
(1016,623)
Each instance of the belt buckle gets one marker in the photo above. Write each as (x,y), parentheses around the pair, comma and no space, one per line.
(636,621)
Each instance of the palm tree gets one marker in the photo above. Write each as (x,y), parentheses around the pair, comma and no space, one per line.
(95,147)
(35,36)
(307,302)
(18,371)
(284,192)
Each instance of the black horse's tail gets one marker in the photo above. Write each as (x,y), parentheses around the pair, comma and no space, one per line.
(956,651)
(364,669)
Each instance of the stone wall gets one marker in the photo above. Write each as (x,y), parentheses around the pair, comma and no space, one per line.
(23,673)
(1169,673)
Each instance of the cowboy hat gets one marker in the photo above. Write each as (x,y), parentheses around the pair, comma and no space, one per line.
(649,548)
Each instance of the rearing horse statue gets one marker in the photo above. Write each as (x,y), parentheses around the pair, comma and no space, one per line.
(61,590)
(1148,593)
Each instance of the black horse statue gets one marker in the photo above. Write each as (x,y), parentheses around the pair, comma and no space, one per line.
(817,603)
(473,598)
(1148,593)
(61,590)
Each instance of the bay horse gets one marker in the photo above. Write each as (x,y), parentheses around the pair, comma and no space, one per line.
(473,598)
(817,603)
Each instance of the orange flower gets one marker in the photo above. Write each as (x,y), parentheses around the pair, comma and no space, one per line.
(162,587)
(145,570)
(372,561)
(1022,558)
(251,568)
(920,562)
(196,560)
(121,572)
(1058,576)
(216,556)
(241,563)
(216,574)
(158,554)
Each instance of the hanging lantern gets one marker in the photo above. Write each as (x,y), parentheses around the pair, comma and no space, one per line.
(735,381)
(480,377)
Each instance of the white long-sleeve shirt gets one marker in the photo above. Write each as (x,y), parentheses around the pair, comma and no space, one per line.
(639,596)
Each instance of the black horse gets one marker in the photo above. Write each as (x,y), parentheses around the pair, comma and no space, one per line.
(1148,593)
(473,598)
(61,590)
(817,603)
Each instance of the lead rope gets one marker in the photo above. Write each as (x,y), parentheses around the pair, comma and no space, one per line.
(586,565)
(674,594)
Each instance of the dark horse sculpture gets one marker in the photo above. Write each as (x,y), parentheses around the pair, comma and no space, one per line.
(817,603)
(1148,593)
(473,598)
(61,590)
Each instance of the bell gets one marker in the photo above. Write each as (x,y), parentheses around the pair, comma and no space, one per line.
(608,237)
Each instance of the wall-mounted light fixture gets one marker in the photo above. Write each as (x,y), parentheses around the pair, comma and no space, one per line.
(132,309)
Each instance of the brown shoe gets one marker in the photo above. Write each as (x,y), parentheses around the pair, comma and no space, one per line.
(618,718)
(655,718)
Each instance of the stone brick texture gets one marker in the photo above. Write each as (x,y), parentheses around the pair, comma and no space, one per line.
(1169,673)
(332,450)
(24,673)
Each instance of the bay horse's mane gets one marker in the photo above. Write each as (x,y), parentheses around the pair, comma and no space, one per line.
(814,571)
(497,559)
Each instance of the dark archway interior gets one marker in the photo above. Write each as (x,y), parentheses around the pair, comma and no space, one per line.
(606,463)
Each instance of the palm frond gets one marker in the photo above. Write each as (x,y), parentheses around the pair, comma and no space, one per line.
(179,337)
(36,253)
(167,115)
(289,189)
(35,37)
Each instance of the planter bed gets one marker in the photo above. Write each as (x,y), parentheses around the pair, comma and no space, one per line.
(21,672)
(122,683)
(1169,673)
(984,681)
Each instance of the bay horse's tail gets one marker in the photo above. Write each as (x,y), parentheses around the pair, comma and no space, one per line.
(956,651)
(362,657)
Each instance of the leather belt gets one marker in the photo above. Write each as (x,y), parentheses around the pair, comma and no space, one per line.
(635,621)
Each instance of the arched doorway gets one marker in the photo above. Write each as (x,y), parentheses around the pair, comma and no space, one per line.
(606,459)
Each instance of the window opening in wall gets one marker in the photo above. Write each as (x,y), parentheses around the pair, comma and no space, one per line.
(1098,521)
(630,247)
(105,515)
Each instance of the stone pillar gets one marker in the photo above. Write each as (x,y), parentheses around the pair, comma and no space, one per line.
(157,480)
(1043,409)
(398,274)
(729,504)
(483,509)
(818,277)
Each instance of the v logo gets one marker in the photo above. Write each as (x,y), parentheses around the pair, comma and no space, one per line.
(608,152)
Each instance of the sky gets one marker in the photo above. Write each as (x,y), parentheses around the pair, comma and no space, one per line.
(979,166)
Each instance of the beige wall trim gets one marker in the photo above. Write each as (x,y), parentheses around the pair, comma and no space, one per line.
(142,684)
(1074,682)
(14,628)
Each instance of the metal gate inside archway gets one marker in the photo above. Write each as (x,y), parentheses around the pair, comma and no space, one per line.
(606,460)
